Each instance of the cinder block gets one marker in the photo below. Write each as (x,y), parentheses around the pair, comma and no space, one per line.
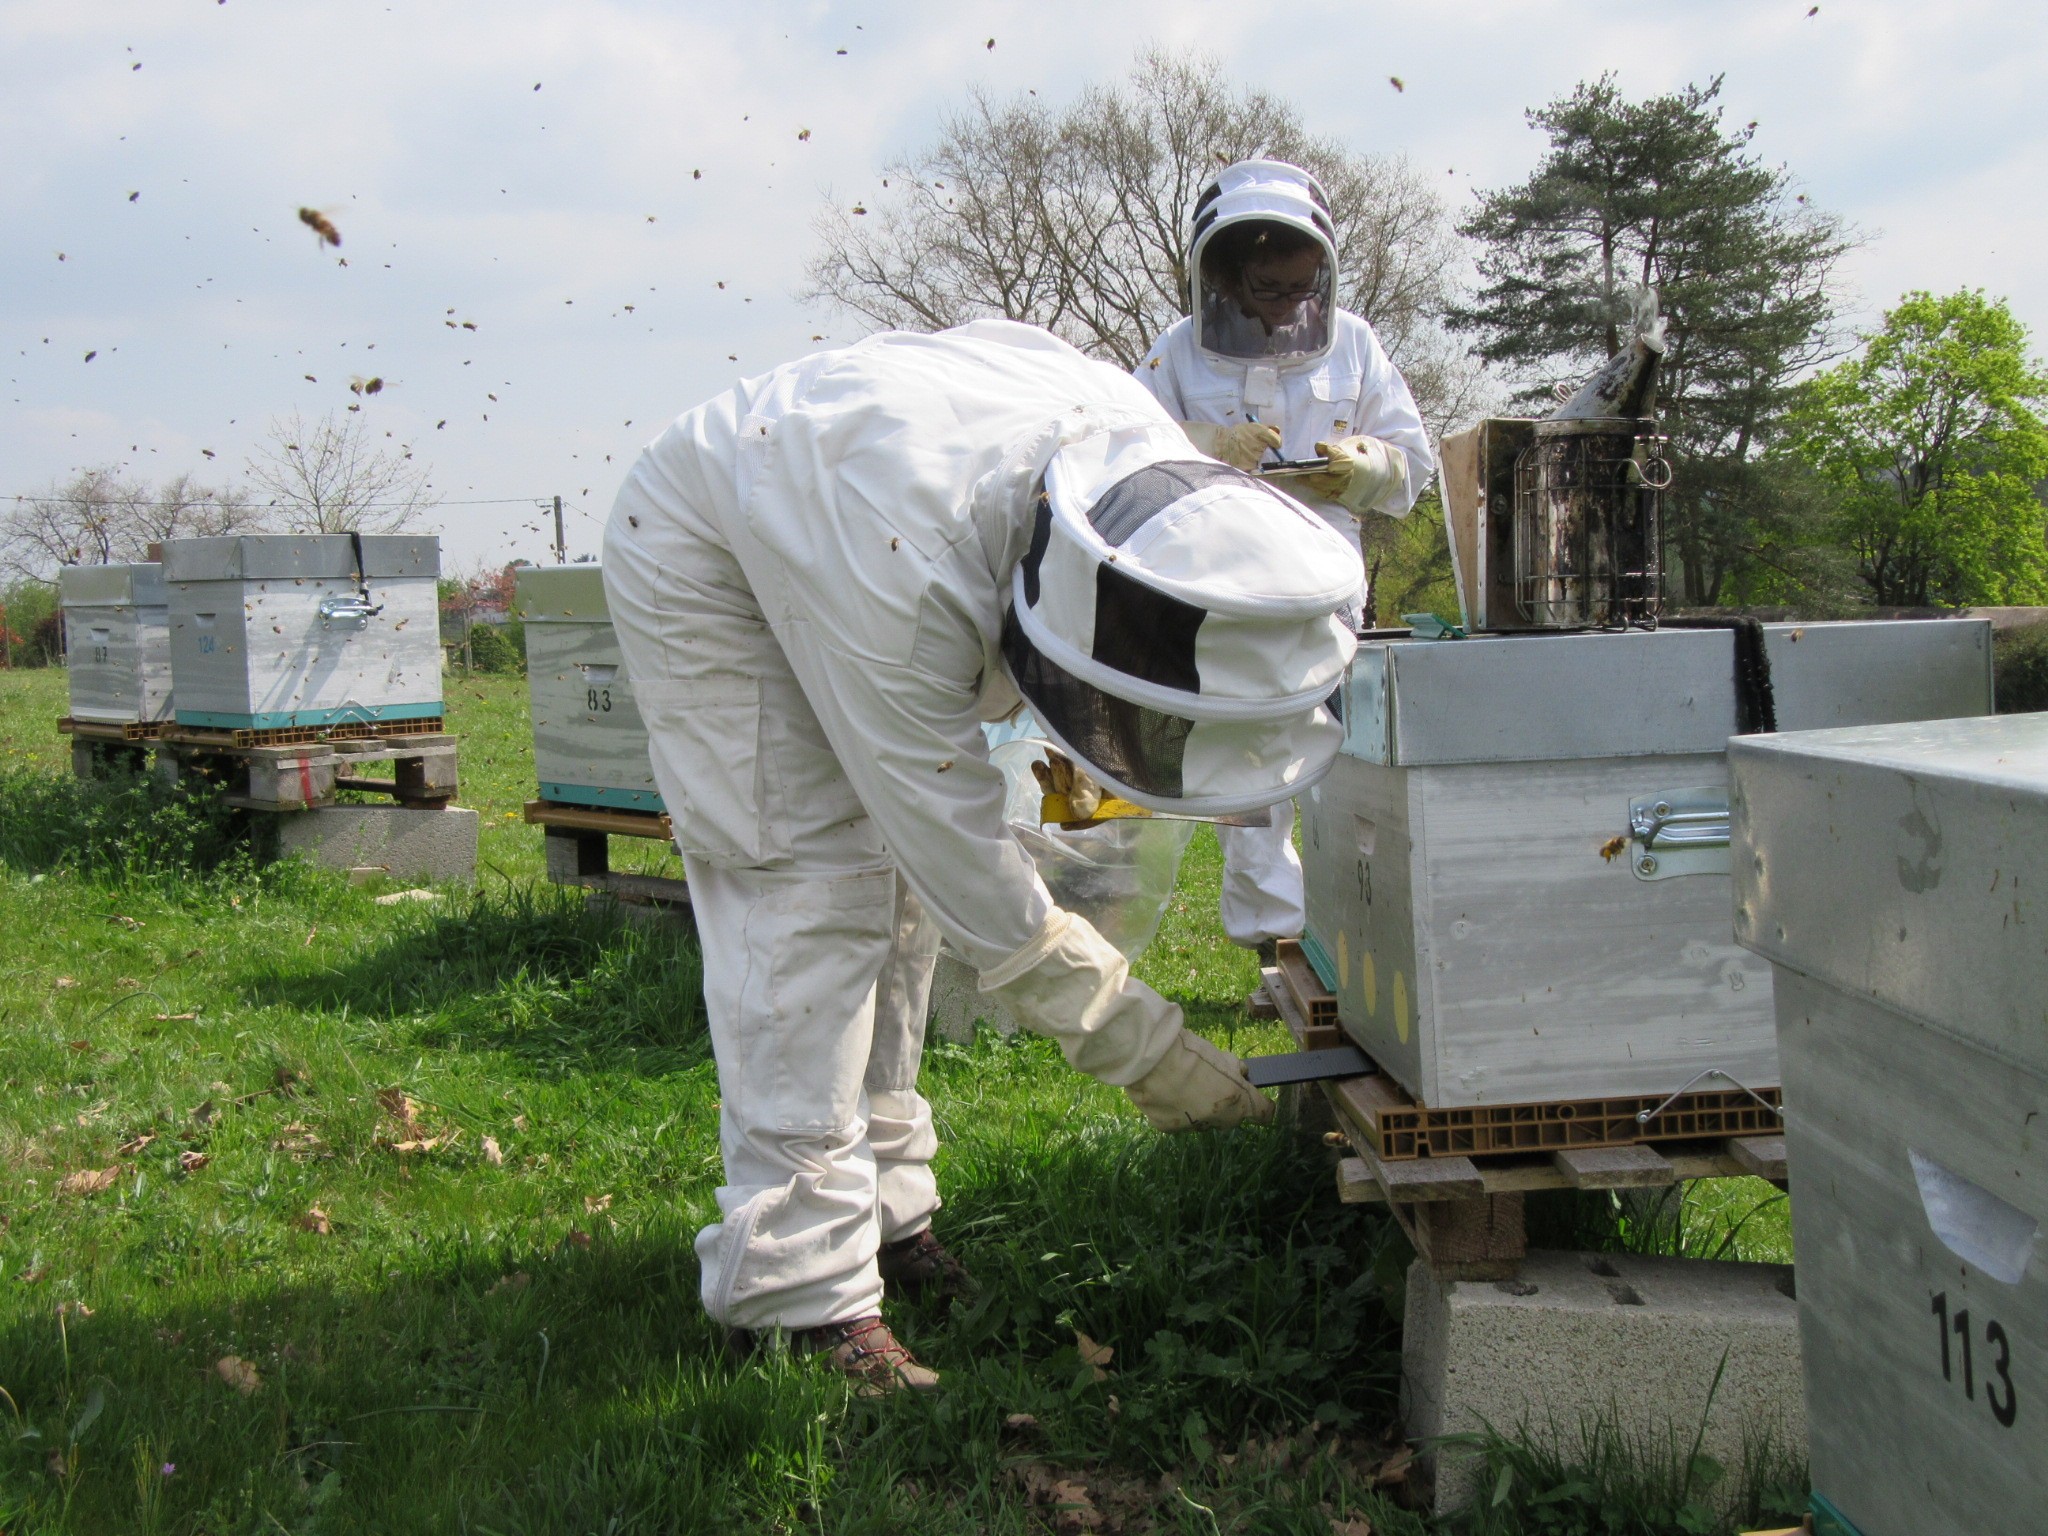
(408,844)
(1581,1337)
(957,1000)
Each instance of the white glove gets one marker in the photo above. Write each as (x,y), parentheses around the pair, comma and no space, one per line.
(1363,472)
(1072,985)
(1196,1087)
(1241,444)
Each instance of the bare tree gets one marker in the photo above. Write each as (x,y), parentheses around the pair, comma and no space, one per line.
(182,508)
(326,476)
(98,517)
(1077,220)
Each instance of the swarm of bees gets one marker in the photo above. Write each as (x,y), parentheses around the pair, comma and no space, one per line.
(321,226)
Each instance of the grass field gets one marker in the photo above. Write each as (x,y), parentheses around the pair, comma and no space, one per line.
(320,1215)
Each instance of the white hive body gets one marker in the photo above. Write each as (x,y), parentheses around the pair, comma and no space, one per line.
(589,742)
(1482,948)
(116,642)
(267,630)
(1893,878)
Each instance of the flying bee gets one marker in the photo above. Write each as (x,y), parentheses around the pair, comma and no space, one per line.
(321,226)
(357,385)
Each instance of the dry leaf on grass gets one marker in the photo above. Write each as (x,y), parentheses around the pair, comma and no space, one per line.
(238,1373)
(34,1276)
(1357,1525)
(298,1140)
(126,922)
(579,1238)
(88,1181)
(206,1113)
(511,1284)
(316,1220)
(175,1018)
(423,1144)
(1395,1467)
(493,1153)
(592,1204)
(192,1162)
(65,981)
(519,1122)
(1093,1354)
(1071,1504)
(81,1046)
(1020,1421)
(73,1309)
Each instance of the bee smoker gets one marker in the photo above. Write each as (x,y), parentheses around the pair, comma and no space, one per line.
(1557,523)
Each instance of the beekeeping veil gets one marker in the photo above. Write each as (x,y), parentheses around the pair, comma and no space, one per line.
(1248,208)
(1174,625)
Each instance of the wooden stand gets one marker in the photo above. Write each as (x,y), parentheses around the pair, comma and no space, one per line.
(1464,1212)
(577,840)
(307,776)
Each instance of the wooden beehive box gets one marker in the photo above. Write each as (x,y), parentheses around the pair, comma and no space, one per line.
(589,742)
(1893,877)
(117,642)
(1493,929)
(262,637)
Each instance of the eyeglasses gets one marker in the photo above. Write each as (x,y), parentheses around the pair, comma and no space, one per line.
(1259,293)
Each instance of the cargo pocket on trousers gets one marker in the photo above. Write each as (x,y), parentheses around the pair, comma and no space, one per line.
(706,733)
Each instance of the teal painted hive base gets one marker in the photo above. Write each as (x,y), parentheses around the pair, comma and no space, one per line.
(613,799)
(281,719)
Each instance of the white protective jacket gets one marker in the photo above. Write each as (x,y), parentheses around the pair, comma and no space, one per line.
(1353,390)
(896,532)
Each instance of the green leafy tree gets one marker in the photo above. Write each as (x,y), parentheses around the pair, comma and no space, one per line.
(1933,443)
(1660,192)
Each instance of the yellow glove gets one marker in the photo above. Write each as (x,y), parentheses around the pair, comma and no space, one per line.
(1241,444)
(1058,776)
(1363,472)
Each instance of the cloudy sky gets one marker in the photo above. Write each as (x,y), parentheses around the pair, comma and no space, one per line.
(530,167)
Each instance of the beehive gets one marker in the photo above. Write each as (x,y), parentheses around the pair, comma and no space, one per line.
(1893,877)
(116,641)
(270,631)
(1495,932)
(589,742)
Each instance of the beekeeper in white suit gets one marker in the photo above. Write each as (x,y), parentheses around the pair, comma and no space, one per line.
(1267,367)
(823,581)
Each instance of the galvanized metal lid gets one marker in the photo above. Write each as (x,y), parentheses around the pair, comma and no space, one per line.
(139,585)
(561,594)
(1907,864)
(276,556)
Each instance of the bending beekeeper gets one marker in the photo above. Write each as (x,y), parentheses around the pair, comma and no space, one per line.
(823,581)
(1266,367)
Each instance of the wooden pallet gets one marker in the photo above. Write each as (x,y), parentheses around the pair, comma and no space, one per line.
(303,735)
(124,731)
(310,775)
(577,842)
(1314,1002)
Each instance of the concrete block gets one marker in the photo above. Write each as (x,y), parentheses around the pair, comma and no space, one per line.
(406,844)
(957,1000)
(1576,1337)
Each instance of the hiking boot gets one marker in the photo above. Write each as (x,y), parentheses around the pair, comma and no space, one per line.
(865,1351)
(1261,1005)
(919,1266)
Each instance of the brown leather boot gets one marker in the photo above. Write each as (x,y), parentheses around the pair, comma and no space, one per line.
(919,1266)
(865,1350)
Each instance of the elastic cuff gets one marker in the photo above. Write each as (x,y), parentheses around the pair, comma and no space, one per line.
(1041,945)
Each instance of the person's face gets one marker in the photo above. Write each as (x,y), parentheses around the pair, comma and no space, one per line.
(1273,288)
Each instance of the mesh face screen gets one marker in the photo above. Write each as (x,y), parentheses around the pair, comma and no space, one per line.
(1142,495)
(1138,747)
(1144,633)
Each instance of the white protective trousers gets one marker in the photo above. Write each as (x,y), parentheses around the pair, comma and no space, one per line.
(817,956)
(1353,390)
(806,576)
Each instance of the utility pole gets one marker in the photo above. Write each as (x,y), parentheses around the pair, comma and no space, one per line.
(561,549)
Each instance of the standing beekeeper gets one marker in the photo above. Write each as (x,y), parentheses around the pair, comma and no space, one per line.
(823,581)
(1266,367)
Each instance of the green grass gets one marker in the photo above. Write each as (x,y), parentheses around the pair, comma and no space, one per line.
(463,1342)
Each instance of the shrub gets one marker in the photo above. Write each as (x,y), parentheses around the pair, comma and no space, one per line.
(2019,659)
(498,647)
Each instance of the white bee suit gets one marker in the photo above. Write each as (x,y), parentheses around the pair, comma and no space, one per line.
(1352,390)
(809,576)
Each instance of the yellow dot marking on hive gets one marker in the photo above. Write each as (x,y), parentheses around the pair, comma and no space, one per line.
(1401,1006)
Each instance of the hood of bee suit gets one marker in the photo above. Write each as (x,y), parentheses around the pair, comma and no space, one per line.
(1175,625)
(1272,192)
